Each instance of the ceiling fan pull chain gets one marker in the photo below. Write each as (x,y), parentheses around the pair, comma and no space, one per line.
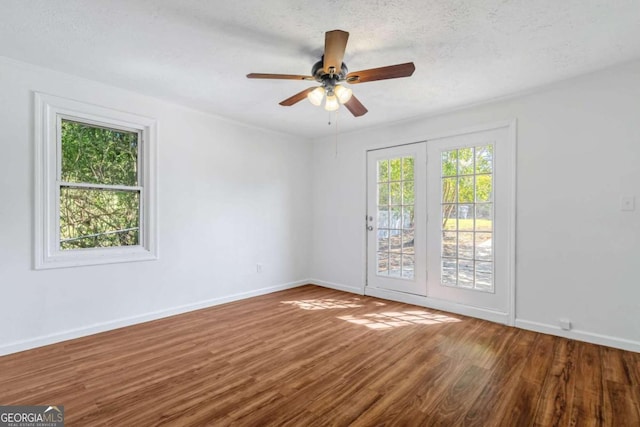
(336,140)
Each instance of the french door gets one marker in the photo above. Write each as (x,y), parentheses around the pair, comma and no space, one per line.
(396,219)
(441,229)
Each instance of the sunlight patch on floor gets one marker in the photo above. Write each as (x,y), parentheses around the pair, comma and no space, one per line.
(324,303)
(394,319)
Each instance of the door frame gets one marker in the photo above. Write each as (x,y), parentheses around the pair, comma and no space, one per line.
(510,227)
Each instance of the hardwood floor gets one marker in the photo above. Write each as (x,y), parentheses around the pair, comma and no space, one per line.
(313,356)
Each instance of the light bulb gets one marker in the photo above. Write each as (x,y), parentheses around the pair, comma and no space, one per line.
(343,93)
(316,95)
(332,103)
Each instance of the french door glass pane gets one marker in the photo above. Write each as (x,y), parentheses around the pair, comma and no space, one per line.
(449,271)
(396,225)
(383,263)
(467,218)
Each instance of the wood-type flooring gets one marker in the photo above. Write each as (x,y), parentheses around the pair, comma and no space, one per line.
(311,356)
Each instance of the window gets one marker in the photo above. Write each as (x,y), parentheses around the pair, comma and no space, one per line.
(396,228)
(95,185)
(467,218)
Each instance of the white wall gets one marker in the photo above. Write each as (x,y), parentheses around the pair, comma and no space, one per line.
(230,197)
(578,153)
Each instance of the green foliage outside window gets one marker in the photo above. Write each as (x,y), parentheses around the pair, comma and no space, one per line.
(98,216)
(399,172)
(471,180)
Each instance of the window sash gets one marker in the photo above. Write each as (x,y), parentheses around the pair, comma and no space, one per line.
(101,125)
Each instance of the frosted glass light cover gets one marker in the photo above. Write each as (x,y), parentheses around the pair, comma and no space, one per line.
(332,103)
(315,96)
(343,93)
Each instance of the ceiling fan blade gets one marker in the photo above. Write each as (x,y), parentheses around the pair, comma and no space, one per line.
(278,76)
(296,98)
(335,43)
(356,107)
(381,73)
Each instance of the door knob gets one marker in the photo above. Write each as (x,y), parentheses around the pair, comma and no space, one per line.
(370,227)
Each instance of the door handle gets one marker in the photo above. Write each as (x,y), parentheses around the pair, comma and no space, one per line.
(370,227)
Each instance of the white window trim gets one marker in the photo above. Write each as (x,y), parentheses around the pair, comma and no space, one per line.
(47,254)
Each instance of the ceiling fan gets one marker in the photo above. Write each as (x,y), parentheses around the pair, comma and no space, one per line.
(330,72)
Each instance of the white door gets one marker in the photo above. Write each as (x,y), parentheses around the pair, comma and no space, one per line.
(469,210)
(396,219)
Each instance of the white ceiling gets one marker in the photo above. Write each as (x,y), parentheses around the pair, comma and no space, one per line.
(198,52)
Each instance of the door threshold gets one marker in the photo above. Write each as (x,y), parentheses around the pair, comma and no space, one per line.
(438,304)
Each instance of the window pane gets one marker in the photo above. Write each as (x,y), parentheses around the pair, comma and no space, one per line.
(383,240)
(484,221)
(465,273)
(465,161)
(465,217)
(484,187)
(91,218)
(408,262)
(395,260)
(383,170)
(449,271)
(484,276)
(465,245)
(395,240)
(407,168)
(408,242)
(97,155)
(395,190)
(484,246)
(408,195)
(383,263)
(396,169)
(449,244)
(449,163)
(449,190)
(383,217)
(449,217)
(407,217)
(484,159)
(395,221)
(465,189)
(383,194)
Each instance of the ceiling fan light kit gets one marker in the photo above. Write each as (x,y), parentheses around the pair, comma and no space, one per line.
(344,94)
(330,71)
(331,104)
(316,96)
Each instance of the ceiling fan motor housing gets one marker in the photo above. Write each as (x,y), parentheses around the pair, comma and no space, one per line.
(328,80)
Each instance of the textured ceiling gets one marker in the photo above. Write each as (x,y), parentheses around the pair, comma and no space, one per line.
(197,52)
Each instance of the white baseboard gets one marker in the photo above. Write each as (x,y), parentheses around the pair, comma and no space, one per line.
(56,337)
(437,304)
(579,335)
(338,287)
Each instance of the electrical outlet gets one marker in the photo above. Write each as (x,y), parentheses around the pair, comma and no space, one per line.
(565,324)
(259,268)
